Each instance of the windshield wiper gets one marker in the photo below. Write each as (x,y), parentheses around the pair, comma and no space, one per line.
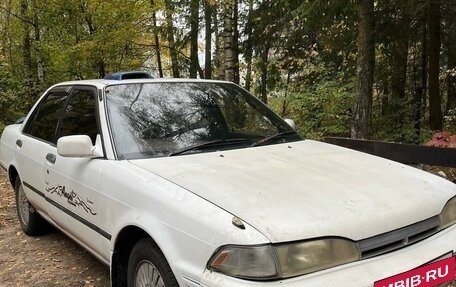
(274,137)
(210,144)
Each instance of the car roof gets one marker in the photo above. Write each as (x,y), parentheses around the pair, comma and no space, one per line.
(101,83)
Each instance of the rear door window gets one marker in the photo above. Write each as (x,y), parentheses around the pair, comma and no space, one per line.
(43,122)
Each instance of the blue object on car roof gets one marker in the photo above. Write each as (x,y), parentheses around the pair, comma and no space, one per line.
(128,75)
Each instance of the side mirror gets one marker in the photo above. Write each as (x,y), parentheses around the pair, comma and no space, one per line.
(291,123)
(78,146)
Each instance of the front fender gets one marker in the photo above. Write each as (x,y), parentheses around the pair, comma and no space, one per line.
(187,228)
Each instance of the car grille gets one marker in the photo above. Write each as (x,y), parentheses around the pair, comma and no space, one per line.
(398,238)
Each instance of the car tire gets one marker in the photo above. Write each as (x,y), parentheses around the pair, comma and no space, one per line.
(31,221)
(147,266)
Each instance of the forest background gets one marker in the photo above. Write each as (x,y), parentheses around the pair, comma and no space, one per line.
(355,68)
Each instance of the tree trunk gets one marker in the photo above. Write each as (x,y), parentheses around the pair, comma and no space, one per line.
(451,75)
(365,69)
(171,43)
(101,66)
(248,53)
(208,34)
(157,40)
(400,55)
(435,106)
(236,42)
(219,71)
(399,63)
(88,19)
(37,44)
(264,71)
(385,97)
(9,40)
(228,42)
(26,45)
(451,85)
(283,113)
(194,19)
(421,85)
(399,69)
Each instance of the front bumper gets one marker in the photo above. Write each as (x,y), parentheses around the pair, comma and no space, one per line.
(358,274)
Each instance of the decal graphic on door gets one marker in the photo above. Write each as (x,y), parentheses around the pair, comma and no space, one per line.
(72,198)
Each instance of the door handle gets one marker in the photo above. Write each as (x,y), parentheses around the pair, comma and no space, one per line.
(50,157)
(19,143)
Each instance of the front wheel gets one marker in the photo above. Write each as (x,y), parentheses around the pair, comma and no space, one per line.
(147,267)
(31,222)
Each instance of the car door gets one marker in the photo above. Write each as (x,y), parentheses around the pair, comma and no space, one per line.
(37,137)
(72,184)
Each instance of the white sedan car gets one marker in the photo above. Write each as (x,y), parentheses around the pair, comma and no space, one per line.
(197,183)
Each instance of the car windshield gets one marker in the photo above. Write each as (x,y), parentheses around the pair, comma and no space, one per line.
(173,118)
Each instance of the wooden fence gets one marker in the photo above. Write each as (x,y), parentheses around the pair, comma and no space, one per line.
(404,153)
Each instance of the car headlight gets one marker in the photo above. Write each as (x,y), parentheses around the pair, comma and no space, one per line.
(448,214)
(310,256)
(283,261)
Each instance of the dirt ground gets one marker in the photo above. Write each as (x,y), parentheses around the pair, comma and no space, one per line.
(53,259)
(450,173)
(50,260)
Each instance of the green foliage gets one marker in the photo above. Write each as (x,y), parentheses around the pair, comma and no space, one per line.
(321,110)
(450,121)
(74,39)
(307,47)
(14,102)
(392,120)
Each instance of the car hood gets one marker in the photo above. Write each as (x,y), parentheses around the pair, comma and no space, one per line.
(308,189)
